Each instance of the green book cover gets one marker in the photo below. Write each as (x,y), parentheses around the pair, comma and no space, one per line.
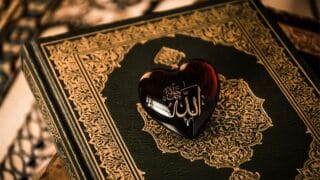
(266,123)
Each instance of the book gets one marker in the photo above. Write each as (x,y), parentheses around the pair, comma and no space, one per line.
(265,125)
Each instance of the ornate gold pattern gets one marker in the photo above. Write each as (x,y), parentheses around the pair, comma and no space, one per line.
(311,169)
(241,174)
(223,24)
(303,40)
(170,57)
(98,65)
(270,54)
(235,126)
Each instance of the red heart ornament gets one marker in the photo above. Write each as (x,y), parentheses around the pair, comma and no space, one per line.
(182,100)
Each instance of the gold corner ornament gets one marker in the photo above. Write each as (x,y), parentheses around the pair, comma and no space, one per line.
(169,57)
(83,64)
(241,174)
(311,169)
(235,127)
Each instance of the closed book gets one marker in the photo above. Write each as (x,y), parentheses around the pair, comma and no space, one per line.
(266,123)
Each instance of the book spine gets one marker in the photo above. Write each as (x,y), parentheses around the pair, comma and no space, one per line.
(32,75)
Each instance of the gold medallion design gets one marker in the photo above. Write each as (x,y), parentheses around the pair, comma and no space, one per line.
(170,57)
(235,126)
(241,174)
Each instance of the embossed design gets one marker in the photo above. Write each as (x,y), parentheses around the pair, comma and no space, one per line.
(311,169)
(278,61)
(241,174)
(228,25)
(235,127)
(293,82)
(170,57)
(98,65)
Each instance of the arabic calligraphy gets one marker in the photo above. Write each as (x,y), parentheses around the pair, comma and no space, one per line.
(179,102)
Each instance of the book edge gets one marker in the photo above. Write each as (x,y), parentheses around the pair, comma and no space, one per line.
(298,59)
(35,81)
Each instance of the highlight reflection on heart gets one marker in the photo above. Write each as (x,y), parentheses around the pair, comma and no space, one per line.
(181,100)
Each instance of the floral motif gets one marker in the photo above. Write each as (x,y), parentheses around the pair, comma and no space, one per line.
(170,57)
(98,65)
(311,169)
(241,174)
(235,126)
(77,60)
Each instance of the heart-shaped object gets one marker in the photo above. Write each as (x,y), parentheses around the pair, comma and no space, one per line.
(182,100)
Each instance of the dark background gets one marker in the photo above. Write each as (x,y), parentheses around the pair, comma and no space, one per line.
(284,146)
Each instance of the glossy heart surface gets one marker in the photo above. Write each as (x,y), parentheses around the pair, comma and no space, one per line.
(182,100)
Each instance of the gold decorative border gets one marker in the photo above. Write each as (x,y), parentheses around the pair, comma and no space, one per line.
(235,127)
(90,73)
(240,27)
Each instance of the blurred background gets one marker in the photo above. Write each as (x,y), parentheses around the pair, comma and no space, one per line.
(26,148)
